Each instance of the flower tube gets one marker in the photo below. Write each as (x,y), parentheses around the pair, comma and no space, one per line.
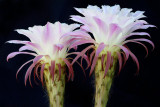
(112,28)
(50,56)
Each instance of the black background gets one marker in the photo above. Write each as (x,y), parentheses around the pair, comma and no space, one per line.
(128,90)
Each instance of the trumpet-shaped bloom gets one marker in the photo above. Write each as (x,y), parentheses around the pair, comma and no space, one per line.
(47,46)
(111,27)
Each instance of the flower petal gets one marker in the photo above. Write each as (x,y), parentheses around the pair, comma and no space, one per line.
(26,48)
(134,59)
(120,61)
(85,28)
(125,50)
(58,47)
(100,24)
(80,43)
(22,67)
(69,65)
(28,74)
(136,33)
(86,59)
(102,61)
(35,45)
(47,32)
(13,54)
(27,33)
(141,39)
(35,73)
(107,62)
(17,41)
(53,69)
(41,74)
(77,33)
(98,51)
(100,48)
(82,53)
(37,58)
(114,30)
(77,19)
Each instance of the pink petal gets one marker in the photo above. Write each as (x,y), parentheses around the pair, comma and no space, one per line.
(22,67)
(81,67)
(120,61)
(113,28)
(35,73)
(85,28)
(59,47)
(35,45)
(83,57)
(13,54)
(42,70)
(107,62)
(141,39)
(101,24)
(69,65)
(93,64)
(37,58)
(75,48)
(102,61)
(30,78)
(83,52)
(26,48)
(100,48)
(142,45)
(77,33)
(52,69)
(141,33)
(68,42)
(136,33)
(134,59)
(87,60)
(91,56)
(47,31)
(80,43)
(125,50)
(111,63)
(28,73)
(72,53)
(98,51)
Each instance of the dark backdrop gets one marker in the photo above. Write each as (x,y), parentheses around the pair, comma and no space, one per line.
(128,90)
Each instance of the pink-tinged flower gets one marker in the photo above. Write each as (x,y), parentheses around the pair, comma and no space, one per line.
(111,27)
(47,46)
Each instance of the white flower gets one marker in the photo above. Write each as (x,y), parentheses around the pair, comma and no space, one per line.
(111,26)
(47,46)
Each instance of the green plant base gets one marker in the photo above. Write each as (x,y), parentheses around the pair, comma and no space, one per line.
(103,84)
(55,89)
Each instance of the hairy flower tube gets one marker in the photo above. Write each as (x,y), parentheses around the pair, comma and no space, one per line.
(112,28)
(50,55)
